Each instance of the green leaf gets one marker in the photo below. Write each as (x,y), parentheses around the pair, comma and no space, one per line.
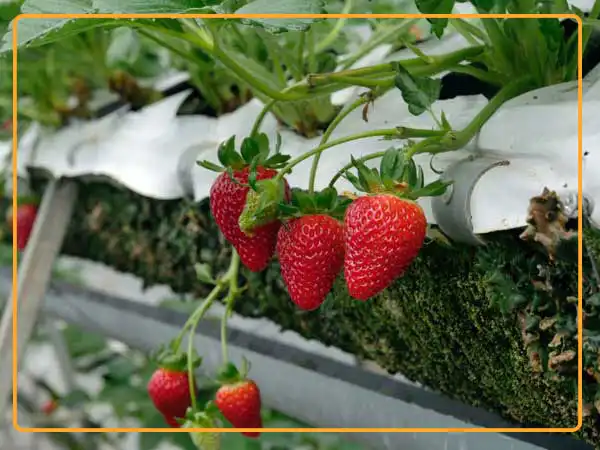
(303,200)
(124,48)
(210,166)
(146,6)
(282,7)
(76,397)
(436,7)
(288,210)
(445,124)
(418,93)
(121,368)
(204,273)
(368,177)
(262,140)
(121,396)
(434,189)
(326,198)
(81,343)
(227,154)
(553,33)
(487,5)
(420,181)
(353,179)
(278,143)
(410,173)
(42,31)
(392,166)
(249,149)
(277,160)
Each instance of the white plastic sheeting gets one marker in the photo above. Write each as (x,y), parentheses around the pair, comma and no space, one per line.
(152,151)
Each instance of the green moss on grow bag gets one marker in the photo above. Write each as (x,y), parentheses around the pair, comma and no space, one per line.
(457,322)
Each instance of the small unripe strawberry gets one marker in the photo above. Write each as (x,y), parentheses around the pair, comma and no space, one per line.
(49,407)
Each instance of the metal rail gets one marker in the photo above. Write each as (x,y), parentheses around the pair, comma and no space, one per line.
(315,389)
(34,274)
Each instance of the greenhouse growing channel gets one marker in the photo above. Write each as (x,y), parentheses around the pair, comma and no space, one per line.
(325,391)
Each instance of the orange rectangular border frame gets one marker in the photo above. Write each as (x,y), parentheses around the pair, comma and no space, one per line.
(305,430)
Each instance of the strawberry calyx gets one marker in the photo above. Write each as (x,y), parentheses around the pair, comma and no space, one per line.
(24,200)
(262,203)
(207,418)
(254,151)
(175,360)
(326,202)
(229,373)
(397,175)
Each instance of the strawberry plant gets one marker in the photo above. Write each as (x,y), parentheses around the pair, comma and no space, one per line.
(57,82)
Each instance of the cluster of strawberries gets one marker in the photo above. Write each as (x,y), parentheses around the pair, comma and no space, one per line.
(373,238)
(237,400)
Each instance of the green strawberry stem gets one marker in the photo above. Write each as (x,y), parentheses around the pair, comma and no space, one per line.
(336,30)
(197,314)
(438,141)
(234,291)
(208,42)
(193,323)
(261,116)
(350,165)
(383,34)
(269,106)
(391,133)
(416,66)
(455,140)
(230,278)
(332,126)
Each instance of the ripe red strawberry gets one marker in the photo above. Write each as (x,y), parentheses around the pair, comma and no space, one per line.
(26,214)
(384,234)
(240,404)
(227,201)
(172,422)
(385,230)
(311,255)
(49,407)
(170,392)
(251,196)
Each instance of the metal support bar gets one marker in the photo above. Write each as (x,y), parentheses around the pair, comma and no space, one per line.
(315,389)
(62,355)
(34,274)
